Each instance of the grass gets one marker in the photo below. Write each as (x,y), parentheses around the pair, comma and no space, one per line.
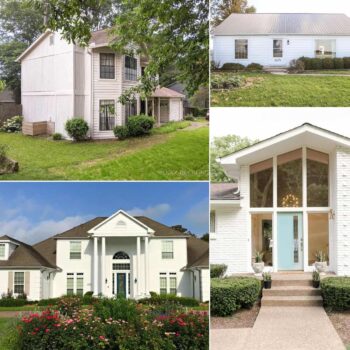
(333,71)
(5,325)
(22,308)
(268,90)
(181,155)
(170,127)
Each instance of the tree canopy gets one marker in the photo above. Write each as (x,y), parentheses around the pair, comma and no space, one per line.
(221,9)
(222,146)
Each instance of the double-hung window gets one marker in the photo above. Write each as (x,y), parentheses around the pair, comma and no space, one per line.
(75,250)
(241,49)
(130,109)
(75,283)
(167,250)
(18,283)
(168,283)
(130,68)
(163,283)
(107,66)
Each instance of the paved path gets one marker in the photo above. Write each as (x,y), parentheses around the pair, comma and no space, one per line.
(282,328)
(11,314)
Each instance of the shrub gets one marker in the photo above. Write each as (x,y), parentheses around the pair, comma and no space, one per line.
(338,63)
(231,294)
(217,270)
(232,66)
(336,292)
(214,65)
(297,65)
(68,305)
(328,63)
(3,152)
(140,125)
(12,302)
(121,132)
(88,298)
(189,117)
(316,63)
(13,124)
(224,81)
(57,136)
(306,61)
(166,298)
(47,302)
(346,61)
(254,67)
(77,128)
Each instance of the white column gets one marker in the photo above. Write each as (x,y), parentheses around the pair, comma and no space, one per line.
(304,205)
(103,266)
(138,274)
(274,216)
(95,265)
(146,265)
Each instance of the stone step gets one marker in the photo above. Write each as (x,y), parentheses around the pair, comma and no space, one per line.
(291,301)
(291,291)
(291,282)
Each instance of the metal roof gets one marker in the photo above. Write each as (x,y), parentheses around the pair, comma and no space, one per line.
(284,23)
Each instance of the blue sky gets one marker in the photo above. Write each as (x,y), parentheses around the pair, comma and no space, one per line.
(33,211)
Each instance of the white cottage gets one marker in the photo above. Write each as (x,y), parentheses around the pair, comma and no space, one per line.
(120,255)
(275,39)
(61,80)
(291,199)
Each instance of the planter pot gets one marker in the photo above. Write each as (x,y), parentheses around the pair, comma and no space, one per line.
(258,267)
(321,266)
(316,284)
(267,284)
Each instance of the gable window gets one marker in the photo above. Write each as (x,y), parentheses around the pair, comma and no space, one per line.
(167,250)
(277,48)
(130,68)
(2,250)
(75,283)
(130,109)
(107,66)
(325,48)
(241,49)
(107,115)
(261,189)
(75,250)
(19,283)
(212,222)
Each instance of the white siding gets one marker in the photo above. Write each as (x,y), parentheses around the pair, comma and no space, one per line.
(205,284)
(260,49)
(175,109)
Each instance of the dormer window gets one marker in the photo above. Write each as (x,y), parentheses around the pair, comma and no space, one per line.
(75,250)
(2,250)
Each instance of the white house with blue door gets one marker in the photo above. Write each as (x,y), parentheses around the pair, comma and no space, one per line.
(120,255)
(275,39)
(289,200)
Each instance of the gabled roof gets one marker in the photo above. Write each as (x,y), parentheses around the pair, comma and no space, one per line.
(24,256)
(284,23)
(166,92)
(197,253)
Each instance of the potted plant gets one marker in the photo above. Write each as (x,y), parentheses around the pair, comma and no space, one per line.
(267,280)
(258,266)
(315,279)
(321,261)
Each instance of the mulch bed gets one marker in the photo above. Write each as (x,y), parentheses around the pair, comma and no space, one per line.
(341,322)
(243,318)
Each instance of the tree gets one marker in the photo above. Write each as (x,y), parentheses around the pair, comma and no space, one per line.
(205,237)
(182,229)
(167,33)
(221,9)
(200,99)
(222,146)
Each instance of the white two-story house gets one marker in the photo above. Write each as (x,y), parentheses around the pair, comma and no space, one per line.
(120,255)
(61,80)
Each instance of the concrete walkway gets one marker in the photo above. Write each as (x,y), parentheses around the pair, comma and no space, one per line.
(282,328)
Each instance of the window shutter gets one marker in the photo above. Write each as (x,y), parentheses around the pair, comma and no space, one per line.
(27,282)
(10,281)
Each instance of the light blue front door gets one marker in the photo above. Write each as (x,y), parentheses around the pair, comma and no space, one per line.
(290,241)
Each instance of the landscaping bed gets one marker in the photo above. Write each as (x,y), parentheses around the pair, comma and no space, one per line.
(341,323)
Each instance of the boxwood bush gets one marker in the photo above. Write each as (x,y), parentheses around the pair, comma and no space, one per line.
(121,132)
(230,294)
(217,270)
(13,302)
(140,125)
(77,128)
(336,292)
(254,67)
(325,63)
(232,66)
(346,61)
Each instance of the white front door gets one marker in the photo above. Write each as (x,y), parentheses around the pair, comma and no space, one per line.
(121,284)
(278,53)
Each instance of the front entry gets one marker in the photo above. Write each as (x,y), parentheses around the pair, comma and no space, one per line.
(122,284)
(290,241)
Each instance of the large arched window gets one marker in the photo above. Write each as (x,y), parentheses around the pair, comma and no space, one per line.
(121,256)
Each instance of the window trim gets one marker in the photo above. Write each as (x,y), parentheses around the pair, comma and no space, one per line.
(14,284)
(70,250)
(99,66)
(167,252)
(235,53)
(124,69)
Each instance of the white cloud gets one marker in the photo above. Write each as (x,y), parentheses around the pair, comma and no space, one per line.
(154,212)
(22,229)
(198,214)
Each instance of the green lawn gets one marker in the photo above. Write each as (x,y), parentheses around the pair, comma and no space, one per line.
(5,325)
(268,90)
(334,71)
(22,308)
(180,155)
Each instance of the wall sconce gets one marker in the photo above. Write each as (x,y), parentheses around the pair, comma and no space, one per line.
(106,281)
(288,42)
(135,280)
(331,214)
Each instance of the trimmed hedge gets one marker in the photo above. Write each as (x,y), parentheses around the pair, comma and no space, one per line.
(232,66)
(163,299)
(47,302)
(217,270)
(230,294)
(254,67)
(13,302)
(336,293)
(325,63)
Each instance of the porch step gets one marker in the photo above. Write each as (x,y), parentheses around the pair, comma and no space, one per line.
(290,282)
(292,301)
(291,291)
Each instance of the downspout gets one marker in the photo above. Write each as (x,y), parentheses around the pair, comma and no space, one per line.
(89,51)
(74,78)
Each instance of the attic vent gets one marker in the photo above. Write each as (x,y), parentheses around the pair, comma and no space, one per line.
(52,39)
(121,223)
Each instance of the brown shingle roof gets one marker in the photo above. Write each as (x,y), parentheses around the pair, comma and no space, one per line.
(165,92)
(224,191)
(197,252)
(24,256)
(101,37)
(81,231)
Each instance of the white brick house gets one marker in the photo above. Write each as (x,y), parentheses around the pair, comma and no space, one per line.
(119,255)
(274,39)
(291,199)
(60,80)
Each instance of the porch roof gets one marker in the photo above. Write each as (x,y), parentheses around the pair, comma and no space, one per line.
(166,92)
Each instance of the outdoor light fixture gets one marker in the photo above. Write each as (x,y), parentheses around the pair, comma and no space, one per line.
(106,280)
(135,280)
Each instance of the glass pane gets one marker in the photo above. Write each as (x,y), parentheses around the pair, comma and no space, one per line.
(318,235)
(296,238)
(262,236)
(261,189)
(289,179)
(241,49)
(167,250)
(2,250)
(317,178)
(121,266)
(163,285)
(325,48)
(107,70)
(19,278)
